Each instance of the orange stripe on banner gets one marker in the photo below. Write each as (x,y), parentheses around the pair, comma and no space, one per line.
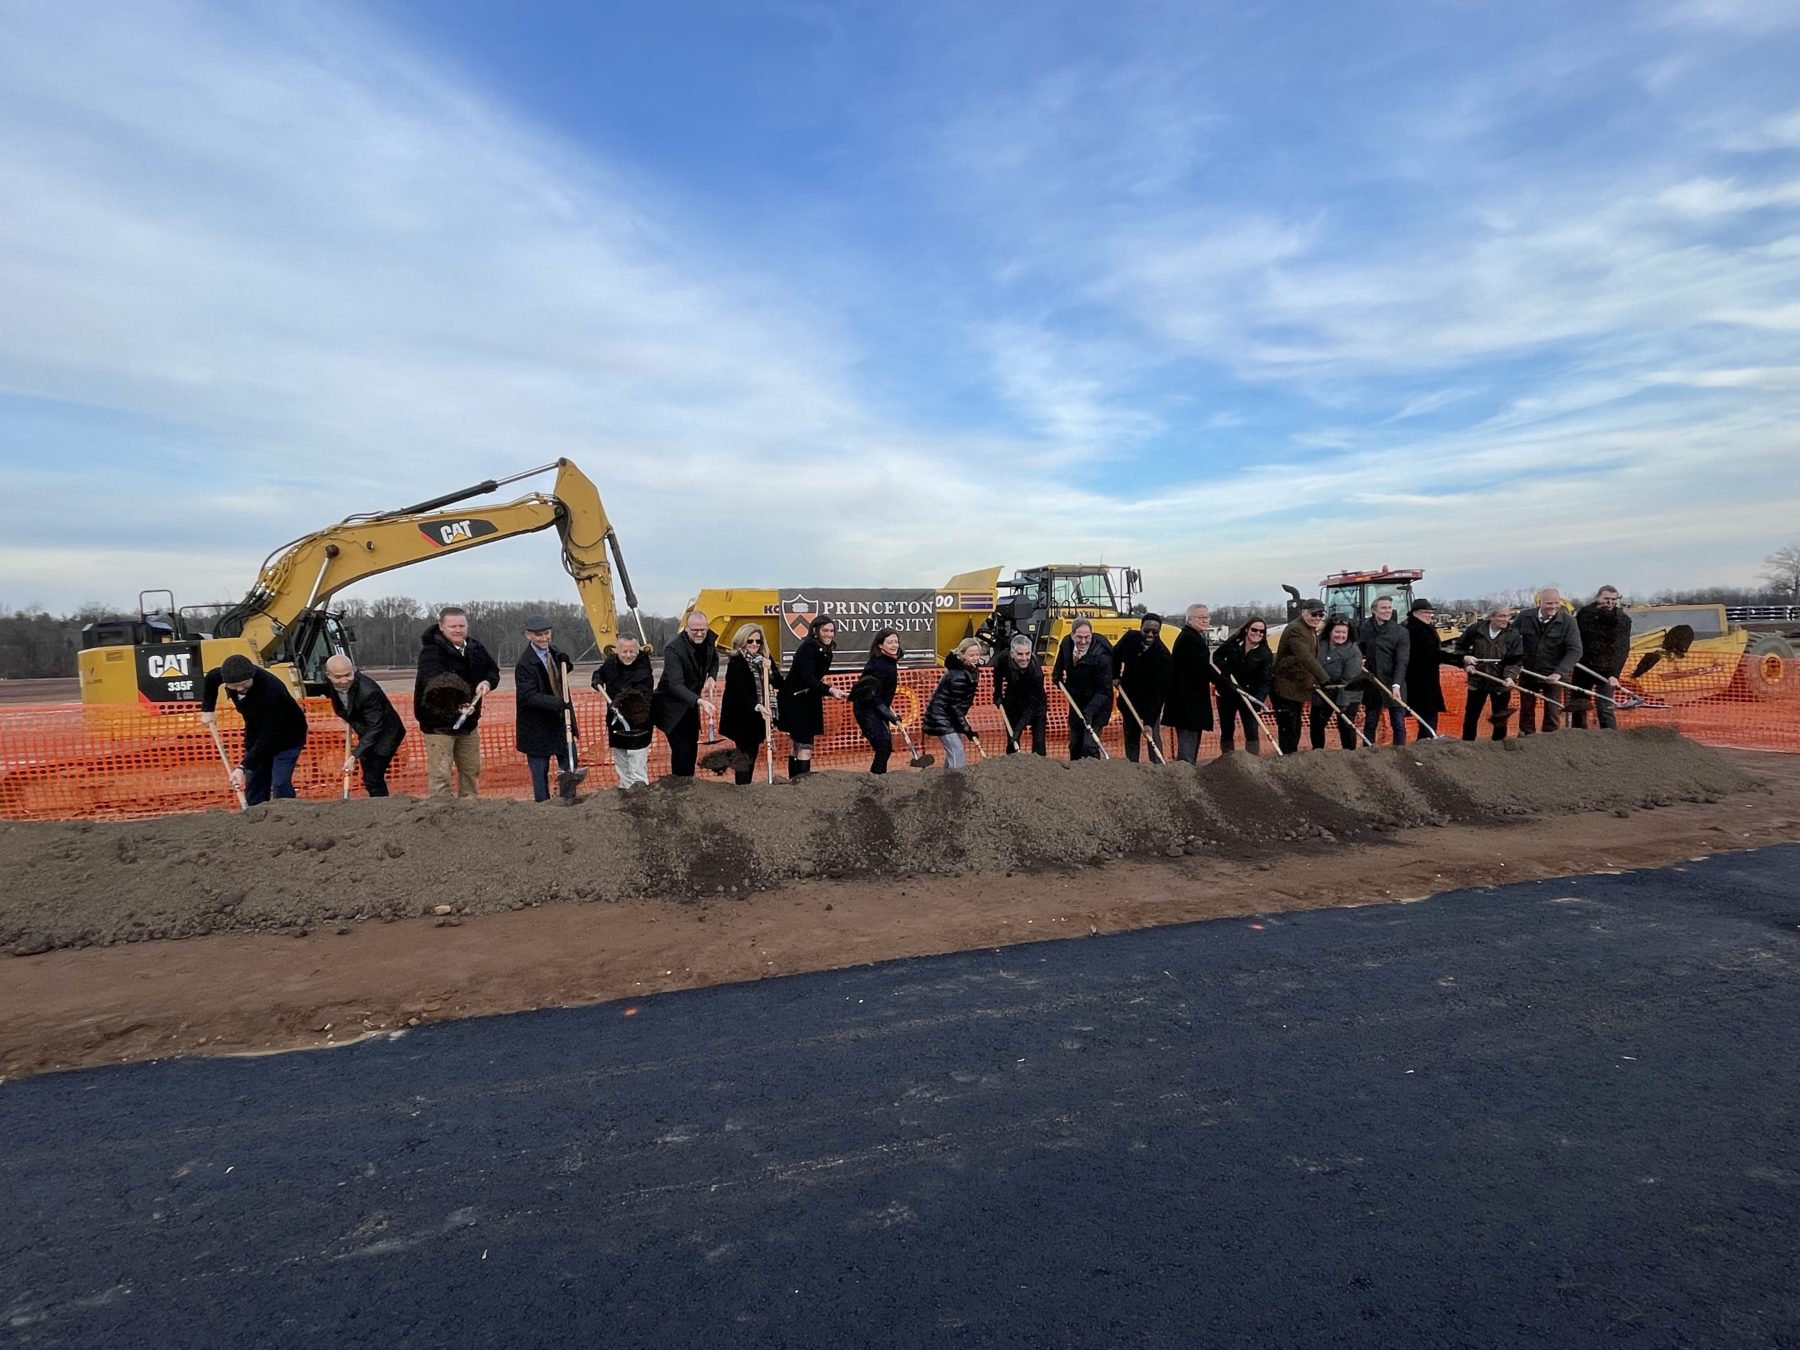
(68,762)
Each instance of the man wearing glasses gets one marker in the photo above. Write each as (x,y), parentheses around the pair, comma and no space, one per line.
(1298,673)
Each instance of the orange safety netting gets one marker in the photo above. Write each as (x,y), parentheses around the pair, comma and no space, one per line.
(67,762)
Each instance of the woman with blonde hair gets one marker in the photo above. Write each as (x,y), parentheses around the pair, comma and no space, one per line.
(744,712)
(947,715)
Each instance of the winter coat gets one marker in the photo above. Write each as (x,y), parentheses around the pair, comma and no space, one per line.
(1425,658)
(738,719)
(1142,668)
(366,707)
(538,709)
(874,708)
(472,665)
(1297,668)
(617,678)
(804,694)
(1502,656)
(1020,693)
(1605,638)
(1386,648)
(1188,705)
(1552,644)
(273,722)
(1344,666)
(948,711)
(1250,669)
(686,669)
(1089,680)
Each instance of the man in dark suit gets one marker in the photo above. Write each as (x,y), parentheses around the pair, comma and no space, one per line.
(370,715)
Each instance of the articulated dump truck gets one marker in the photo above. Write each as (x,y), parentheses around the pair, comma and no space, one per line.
(1040,602)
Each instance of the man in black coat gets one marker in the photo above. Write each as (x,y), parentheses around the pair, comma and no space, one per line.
(367,711)
(1141,671)
(542,679)
(1492,647)
(1605,630)
(690,671)
(1425,657)
(1084,668)
(274,727)
(1019,694)
(1552,647)
(455,673)
(1188,705)
(1386,648)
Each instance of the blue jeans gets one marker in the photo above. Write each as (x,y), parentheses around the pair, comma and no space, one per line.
(953,751)
(272,777)
(1372,705)
(1187,745)
(540,773)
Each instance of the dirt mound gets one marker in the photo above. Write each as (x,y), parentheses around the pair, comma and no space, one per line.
(305,864)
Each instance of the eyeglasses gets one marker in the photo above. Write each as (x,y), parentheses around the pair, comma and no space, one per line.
(1259,630)
(753,642)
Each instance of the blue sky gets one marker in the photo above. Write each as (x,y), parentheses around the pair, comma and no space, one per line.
(861,294)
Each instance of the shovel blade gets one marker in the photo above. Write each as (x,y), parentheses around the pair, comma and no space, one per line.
(924,761)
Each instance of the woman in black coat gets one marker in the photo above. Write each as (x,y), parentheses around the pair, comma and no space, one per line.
(805,692)
(627,681)
(872,696)
(1019,693)
(947,715)
(1245,663)
(1084,666)
(741,709)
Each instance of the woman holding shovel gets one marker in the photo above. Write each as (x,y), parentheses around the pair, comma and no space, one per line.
(1343,662)
(872,697)
(947,715)
(806,693)
(743,711)
(1246,667)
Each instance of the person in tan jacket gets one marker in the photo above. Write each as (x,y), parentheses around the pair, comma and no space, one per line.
(1298,672)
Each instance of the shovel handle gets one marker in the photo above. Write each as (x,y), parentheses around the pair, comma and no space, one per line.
(225,759)
(1404,705)
(1076,713)
(1155,749)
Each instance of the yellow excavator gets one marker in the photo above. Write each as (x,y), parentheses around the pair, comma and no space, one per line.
(157,662)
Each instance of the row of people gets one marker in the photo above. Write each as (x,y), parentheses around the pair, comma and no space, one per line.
(1324,672)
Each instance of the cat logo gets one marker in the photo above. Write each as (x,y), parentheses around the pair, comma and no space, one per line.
(167,667)
(450,533)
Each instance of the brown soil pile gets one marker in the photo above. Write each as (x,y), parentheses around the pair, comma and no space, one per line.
(301,865)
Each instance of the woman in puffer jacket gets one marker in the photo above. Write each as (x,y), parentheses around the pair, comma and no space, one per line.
(947,715)
(1343,662)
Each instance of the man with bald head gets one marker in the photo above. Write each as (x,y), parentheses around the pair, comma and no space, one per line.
(361,703)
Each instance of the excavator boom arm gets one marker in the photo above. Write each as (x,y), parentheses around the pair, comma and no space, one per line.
(309,571)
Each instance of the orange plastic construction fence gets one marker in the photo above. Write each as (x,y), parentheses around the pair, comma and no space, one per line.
(68,762)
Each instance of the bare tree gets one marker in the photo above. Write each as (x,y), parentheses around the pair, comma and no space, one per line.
(1783,572)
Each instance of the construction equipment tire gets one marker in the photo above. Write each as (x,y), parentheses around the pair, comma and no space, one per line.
(1770,669)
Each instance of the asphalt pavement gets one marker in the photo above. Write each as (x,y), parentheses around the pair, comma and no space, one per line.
(1558,1114)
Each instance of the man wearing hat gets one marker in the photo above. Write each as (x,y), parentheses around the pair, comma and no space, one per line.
(542,678)
(274,727)
(1298,673)
(1425,660)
